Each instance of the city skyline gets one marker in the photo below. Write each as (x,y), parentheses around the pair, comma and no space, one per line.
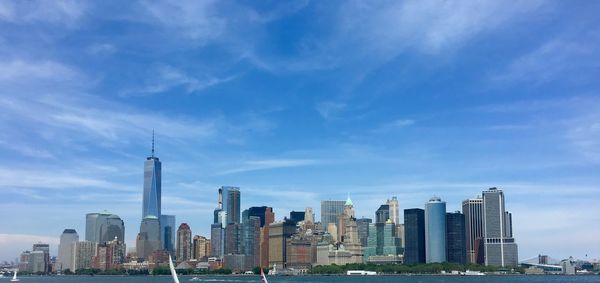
(424,104)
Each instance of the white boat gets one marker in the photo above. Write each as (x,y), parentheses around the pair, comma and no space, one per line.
(14,279)
(173,272)
(360,272)
(263,278)
(470,273)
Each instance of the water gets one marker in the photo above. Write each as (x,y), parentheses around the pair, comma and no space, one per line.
(317,279)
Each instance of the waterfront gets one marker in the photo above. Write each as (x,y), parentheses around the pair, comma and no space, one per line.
(318,279)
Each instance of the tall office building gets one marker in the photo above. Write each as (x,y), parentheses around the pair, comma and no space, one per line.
(184,242)
(363,230)
(279,232)
(297,216)
(456,250)
(414,233)
(435,230)
(148,240)
(167,232)
(473,211)
(394,210)
(266,217)
(250,240)
(103,227)
(330,210)
(382,214)
(152,185)
(382,244)
(216,236)
(231,199)
(41,258)
(500,247)
(83,253)
(109,255)
(65,248)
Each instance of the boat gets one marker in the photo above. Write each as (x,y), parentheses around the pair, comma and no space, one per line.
(195,279)
(14,279)
(471,273)
(173,272)
(263,278)
(360,272)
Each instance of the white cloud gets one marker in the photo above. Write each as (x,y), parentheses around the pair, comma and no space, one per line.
(19,70)
(395,125)
(64,12)
(330,109)
(101,49)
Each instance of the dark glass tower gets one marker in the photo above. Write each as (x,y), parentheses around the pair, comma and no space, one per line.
(456,250)
(414,232)
(152,185)
(231,203)
(382,214)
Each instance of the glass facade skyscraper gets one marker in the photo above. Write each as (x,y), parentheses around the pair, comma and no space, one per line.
(103,227)
(231,203)
(456,250)
(65,248)
(382,214)
(414,234)
(167,232)
(435,230)
(152,187)
(330,211)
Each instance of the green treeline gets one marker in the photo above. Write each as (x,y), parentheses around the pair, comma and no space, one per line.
(430,268)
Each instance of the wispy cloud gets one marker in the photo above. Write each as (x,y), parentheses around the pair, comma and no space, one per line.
(101,49)
(330,109)
(168,78)
(394,125)
(256,165)
(63,12)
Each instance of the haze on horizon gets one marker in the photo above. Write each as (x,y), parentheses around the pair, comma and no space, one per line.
(298,102)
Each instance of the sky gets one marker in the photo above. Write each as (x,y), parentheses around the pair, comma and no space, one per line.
(297,102)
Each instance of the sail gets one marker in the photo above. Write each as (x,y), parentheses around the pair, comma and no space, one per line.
(172,267)
(263,278)
(15,275)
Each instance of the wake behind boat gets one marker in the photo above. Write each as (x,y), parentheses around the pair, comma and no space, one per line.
(15,279)
(173,272)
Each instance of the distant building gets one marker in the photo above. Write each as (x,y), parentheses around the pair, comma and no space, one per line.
(250,240)
(473,211)
(309,216)
(184,242)
(435,230)
(231,203)
(266,216)
(279,232)
(40,258)
(233,238)
(382,215)
(84,252)
(103,227)
(414,233)
(167,232)
(65,249)
(201,248)
(363,230)
(297,216)
(148,240)
(152,186)
(456,250)
(382,242)
(394,208)
(500,246)
(109,255)
(330,210)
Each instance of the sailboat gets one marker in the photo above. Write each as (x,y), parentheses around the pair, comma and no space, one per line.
(172,268)
(263,278)
(14,279)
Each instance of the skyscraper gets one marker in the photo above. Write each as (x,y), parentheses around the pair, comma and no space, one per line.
(152,185)
(297,216)
(184,242)
(414,233)
(103,227)
(201,248)
(84,251)
(148,240)
(456,250)
(266,217)
(473,211)
(231,203)
(382,214)
(363,230)
(279,232)
(500,247)
(435,230)
(382,243)
(250,240)
(330,210)
(65,249)
(167,232)
(394,210)
(41,258)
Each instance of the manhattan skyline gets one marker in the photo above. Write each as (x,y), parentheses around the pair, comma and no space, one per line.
(295,103)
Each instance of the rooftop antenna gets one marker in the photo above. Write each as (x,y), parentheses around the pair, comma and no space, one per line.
(152,143)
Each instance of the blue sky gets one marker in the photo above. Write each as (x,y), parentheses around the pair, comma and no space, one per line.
(300,102)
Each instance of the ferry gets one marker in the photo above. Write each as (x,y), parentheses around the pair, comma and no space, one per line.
(360,272)
(470,272)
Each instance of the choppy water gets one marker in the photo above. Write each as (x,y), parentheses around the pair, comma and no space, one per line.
(316,279)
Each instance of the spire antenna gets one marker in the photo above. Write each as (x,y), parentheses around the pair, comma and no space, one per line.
(153,143)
